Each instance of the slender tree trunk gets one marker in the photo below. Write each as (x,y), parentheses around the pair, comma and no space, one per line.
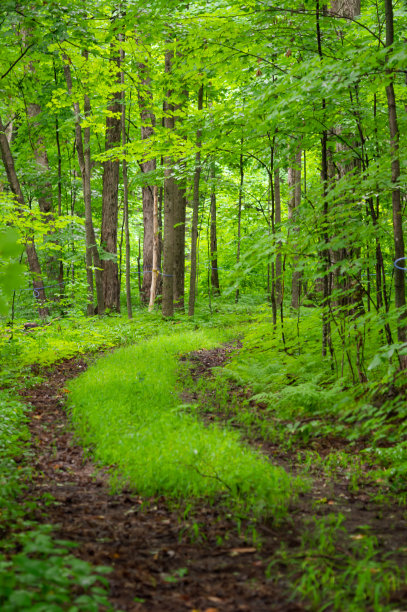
(399,275)
(61,265)
(326,322)
(169,199)
(84,161)
(271,221)
(160,242)
(32,257)
(277,215)
(294,182)
(110,203)
(156,250)
(180,205)
(139,273)
(195,212)
(239,212)
(180,202)
(148,122)
(126,197)
(214,238)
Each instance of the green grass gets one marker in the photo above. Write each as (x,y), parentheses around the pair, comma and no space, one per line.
(334,571)
(127,408)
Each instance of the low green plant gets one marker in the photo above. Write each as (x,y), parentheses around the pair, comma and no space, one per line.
(44,576)
(334,571)
(128,409)
(36,571)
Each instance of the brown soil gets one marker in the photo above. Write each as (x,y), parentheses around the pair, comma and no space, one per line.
(161,560)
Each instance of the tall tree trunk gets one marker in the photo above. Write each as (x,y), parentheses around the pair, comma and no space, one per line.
(277,215)
(32,257)
(214,238)
(180,205)
(326,320)
(239,212)
(61,265)
(147,130)
(326,323)
(110,197)
(195,212)
(271,221)
(126,196)
(169,203)
(180,202)
(399,277)
(84,161)
(156,251)
(294,184)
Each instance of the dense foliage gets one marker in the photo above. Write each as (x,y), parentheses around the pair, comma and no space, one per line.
(243,162)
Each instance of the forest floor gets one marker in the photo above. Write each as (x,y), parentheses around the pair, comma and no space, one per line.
(165,557)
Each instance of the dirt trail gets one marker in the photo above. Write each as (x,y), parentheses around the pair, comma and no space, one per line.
(162,561)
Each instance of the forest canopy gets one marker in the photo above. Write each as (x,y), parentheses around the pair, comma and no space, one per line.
(157,153)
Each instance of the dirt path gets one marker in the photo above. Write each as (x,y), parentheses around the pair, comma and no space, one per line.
(161,560)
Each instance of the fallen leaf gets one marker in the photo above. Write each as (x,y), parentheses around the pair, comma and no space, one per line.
(241,551)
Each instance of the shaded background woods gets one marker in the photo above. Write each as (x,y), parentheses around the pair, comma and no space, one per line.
(265,142)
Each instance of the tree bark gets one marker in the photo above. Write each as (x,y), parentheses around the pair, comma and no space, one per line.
(326,321)
(127,232)
(169,197)
(294,183)
(84,161)
(147,130)
(195,212)
(32,257)
(180,205)
(125,195)
(110,198)
(180,202)
(399,276)
(277,214)
(239,212)
(156,250)
(214,239)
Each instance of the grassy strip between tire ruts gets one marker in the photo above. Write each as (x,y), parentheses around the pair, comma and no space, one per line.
(127,408)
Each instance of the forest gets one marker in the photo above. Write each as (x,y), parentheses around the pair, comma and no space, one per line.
(203,319)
